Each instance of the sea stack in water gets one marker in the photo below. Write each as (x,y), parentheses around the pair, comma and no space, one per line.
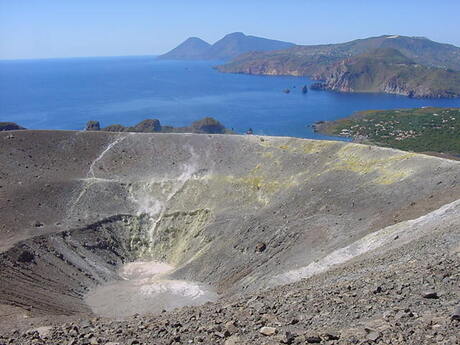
(9,126)
(148,126)
(93,126)
(207,125)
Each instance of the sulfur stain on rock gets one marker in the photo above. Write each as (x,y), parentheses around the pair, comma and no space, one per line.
(363,160)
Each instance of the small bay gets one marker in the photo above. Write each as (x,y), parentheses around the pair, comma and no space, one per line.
(66,93)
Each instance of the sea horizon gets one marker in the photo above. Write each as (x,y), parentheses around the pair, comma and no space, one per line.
(65,93)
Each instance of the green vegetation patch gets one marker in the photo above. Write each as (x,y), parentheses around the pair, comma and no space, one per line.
(420,130)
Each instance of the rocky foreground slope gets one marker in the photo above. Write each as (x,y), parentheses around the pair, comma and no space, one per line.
(373,232)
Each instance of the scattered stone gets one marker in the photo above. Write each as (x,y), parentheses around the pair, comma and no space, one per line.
(26,257)
(372,335)
(331,336)
(268,331)
(430,295)
(233,340)
(221,335)
(260,247)
(231,327)
(377,290)
(38,224)
(456,314)
(44,331)
(286,338)
(313,339)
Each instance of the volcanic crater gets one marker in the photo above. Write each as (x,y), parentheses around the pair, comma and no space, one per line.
(229,215)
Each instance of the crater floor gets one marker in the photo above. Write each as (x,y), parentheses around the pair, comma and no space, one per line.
(143,290)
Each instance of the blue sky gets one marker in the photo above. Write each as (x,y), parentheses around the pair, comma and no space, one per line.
(71,28)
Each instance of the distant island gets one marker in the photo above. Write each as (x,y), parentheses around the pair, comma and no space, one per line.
(207,125)
(229,47)
(425,129)
(410,66)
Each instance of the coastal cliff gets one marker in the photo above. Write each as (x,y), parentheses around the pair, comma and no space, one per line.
(387,70)
(409,66)
(309,60)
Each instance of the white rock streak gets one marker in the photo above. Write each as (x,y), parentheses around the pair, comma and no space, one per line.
(91,178)
(405,231)
(91,173)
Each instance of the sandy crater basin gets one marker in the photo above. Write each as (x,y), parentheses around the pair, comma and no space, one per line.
(144,288)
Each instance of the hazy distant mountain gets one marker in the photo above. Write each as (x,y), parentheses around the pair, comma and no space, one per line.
(193,48)
(388,70)
(227,48)
(238,43)
(312,60)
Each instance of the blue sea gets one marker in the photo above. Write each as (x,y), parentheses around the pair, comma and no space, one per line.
(66,93)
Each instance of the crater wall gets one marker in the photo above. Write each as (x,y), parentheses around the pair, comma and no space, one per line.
(231,211)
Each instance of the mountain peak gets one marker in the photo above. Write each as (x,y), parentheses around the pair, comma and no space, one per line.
(195,39)
(235,34)
(230,46)
(191,49)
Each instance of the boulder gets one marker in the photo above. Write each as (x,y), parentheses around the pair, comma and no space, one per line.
(456,314)
(430,295)
(260,247)
(268,331)
(26,257)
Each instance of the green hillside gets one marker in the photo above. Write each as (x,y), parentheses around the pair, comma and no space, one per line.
(311,60)
(420,130)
